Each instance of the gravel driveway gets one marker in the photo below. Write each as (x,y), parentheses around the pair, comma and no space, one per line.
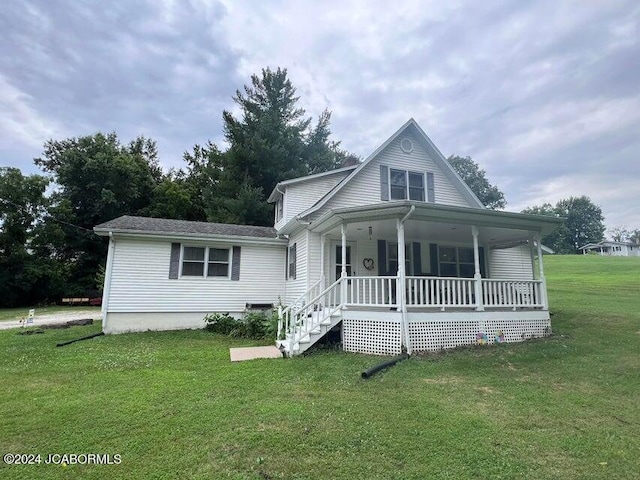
(53,318)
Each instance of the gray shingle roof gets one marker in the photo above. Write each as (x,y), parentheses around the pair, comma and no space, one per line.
(132,224)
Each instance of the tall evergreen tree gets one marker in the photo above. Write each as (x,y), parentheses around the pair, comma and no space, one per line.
(271,141)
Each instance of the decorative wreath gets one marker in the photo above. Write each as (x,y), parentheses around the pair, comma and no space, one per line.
(368,263)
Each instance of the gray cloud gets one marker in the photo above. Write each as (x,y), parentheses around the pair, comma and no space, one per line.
(545,95)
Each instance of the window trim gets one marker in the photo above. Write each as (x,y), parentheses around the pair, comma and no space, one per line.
(280,208)
(407,187)
(293,247)
(205,267)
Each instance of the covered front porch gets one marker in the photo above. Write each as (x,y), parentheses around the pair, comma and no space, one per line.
(391,271)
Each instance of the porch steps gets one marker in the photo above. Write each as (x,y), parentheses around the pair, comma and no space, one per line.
(323,324)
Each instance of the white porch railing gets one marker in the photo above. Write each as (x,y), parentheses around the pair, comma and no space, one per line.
(303,315)
(440,292)
(372,291)
(512,293)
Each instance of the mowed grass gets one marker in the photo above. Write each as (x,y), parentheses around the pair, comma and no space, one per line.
(173,406)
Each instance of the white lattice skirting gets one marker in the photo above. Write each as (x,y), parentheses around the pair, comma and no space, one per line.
(375,337)
(437,331)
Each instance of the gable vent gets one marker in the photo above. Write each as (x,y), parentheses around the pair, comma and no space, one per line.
(406,145)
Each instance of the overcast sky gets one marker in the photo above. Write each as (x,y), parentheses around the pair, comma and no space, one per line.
(543,95)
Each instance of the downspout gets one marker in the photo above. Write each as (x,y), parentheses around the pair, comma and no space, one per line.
(107,281)
(409,213)
(403,282)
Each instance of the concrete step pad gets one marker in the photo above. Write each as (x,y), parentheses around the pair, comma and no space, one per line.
(241,354)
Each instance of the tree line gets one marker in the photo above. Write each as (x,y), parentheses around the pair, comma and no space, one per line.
(47,245)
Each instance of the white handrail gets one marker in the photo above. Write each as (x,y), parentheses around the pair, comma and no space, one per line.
(296,304)
(296,324)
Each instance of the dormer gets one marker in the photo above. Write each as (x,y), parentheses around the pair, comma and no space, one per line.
(292,197)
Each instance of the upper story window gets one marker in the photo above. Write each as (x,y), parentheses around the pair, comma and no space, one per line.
(404,184)
(279,209)
(216,260)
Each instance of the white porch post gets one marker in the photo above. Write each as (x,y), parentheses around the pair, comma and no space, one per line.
(322,274)
(532,252)
(543,286)
(477,275)
(401,288)
(343,273)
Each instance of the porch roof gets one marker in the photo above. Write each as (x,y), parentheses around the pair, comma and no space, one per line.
(431,212)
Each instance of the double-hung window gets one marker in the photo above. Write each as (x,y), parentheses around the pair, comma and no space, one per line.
(279,209)
(218,264)
(404,184)
(292,262)
(392,258)
(194,260)
(456,262)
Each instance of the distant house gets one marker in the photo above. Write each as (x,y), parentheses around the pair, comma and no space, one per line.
(611,248)
(396,253)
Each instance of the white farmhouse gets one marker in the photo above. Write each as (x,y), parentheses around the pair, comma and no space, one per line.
(396,253)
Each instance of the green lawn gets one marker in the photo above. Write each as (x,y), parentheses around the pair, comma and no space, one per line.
(173,406)
(18,313)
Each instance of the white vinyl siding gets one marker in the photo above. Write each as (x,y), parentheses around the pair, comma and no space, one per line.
(365,187)
(140,280)
(296,287)
(302,196)
(511,263)
(314,257)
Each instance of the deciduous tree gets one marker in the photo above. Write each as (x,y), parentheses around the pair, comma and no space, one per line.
(619,233)
(476,178)
(97,179)
(584,223)
(27,274)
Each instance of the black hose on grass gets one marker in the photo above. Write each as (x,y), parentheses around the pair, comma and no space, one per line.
(62,344)
(389,363)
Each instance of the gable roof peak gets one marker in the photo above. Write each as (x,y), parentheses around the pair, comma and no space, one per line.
(438,158)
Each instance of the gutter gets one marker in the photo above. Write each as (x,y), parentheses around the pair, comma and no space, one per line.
(241,239)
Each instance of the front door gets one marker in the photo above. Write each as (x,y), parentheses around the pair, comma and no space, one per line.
(336,260)
(336,264)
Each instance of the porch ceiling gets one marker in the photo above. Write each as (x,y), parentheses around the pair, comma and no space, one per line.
(435,221)
(438,232)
